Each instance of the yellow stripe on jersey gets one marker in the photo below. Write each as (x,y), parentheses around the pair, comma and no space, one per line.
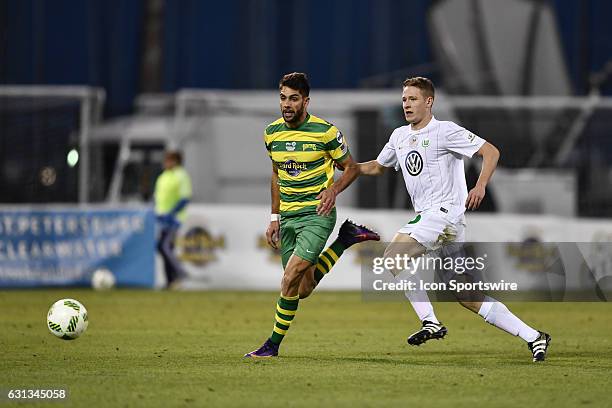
(287,208)
(304,157)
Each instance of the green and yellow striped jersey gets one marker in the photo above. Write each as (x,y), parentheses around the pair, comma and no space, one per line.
(304,157)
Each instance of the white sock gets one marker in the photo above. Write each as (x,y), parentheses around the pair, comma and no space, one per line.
(499,315)
(419,299)
(421,305)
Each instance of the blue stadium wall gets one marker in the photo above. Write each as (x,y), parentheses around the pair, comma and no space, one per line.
(247,43)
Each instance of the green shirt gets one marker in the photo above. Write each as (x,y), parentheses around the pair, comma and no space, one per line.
(172,186)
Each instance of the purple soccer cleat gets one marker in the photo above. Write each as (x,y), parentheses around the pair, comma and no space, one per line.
(351,234)
(268,349)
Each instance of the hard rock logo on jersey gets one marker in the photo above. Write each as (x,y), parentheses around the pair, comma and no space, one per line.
(292,167)
(414,163)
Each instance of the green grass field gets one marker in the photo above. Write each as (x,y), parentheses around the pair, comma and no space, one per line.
(146,348)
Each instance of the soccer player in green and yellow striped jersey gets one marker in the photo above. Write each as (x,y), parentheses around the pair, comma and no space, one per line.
(304,156)
(304,149)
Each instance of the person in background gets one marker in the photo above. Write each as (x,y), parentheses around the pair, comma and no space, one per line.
(172,194)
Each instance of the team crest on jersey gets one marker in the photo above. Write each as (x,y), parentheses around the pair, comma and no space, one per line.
(293,168)
(425,142)
(290,146)
(414,163)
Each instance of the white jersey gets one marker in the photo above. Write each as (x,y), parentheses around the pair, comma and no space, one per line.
(431,160)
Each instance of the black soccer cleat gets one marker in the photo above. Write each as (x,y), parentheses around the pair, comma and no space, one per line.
(539,346)
(351,234)
(429,331)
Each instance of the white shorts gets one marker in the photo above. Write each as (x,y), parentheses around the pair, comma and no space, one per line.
(436,227)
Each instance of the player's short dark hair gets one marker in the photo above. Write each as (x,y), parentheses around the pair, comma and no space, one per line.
(424,84)
(174,155)
(297,81)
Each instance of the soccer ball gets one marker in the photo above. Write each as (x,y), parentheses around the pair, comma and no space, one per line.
(67,319)
(102,279)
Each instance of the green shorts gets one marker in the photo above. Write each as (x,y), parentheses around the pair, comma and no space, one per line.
(305,235)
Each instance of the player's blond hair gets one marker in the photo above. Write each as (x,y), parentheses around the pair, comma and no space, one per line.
(424,84)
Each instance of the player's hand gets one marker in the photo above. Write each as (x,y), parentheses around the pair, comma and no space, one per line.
(328,200)
(475,197)
(273,233)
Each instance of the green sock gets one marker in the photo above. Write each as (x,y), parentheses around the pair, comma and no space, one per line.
(328,259)
(285,312)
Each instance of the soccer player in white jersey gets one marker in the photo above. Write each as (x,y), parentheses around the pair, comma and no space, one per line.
(430,155)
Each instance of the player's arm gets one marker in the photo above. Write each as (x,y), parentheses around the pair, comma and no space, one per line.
(328,196)
(371,168)
(490,156)
(272,233)
(387,158)
(350,170)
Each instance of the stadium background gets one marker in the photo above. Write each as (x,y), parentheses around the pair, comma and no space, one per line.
(117,82)
(92,92)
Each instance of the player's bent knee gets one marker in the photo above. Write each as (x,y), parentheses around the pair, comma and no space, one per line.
(294,275)
(304,295)
(291,279)
(295,271)
(401,250)
(306,288)
(307,285)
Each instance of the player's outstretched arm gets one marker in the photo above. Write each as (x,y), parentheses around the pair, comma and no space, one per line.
(490,156)
(371,168)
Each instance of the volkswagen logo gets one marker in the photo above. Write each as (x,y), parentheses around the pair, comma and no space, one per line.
(414,163)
